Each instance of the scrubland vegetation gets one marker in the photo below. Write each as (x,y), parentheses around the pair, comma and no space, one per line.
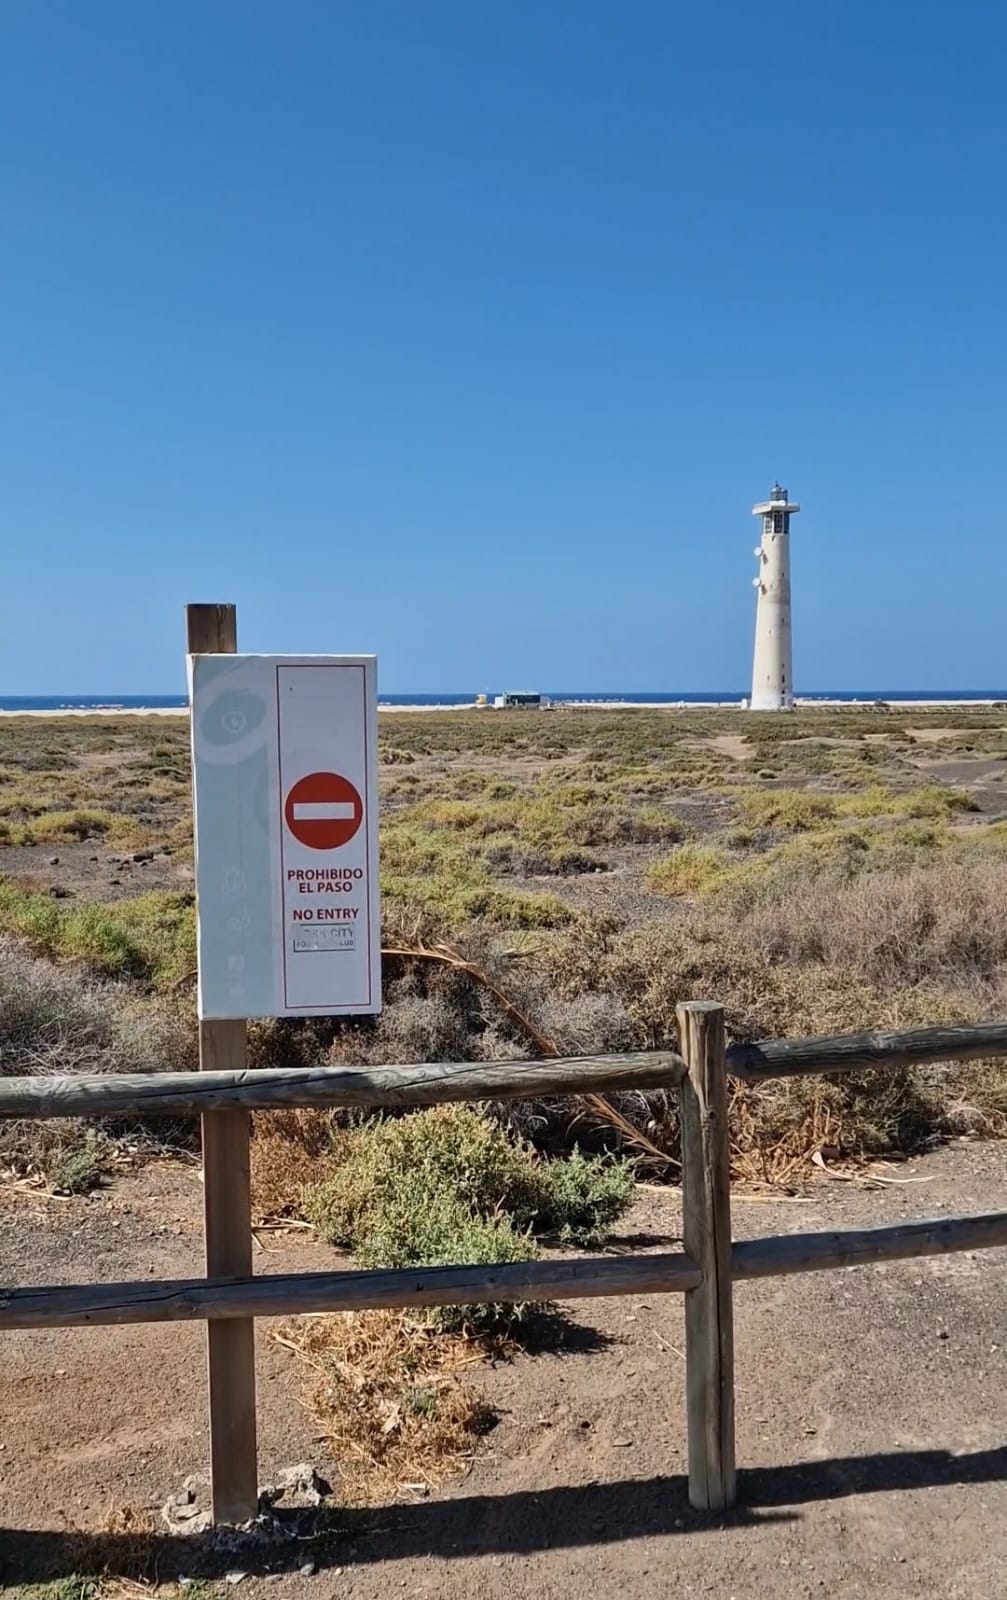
(821,871)
(552,882)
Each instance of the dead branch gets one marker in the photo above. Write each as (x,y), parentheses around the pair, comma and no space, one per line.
(540,1042)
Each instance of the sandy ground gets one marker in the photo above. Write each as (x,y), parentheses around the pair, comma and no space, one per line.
(870,1418)
(101,711)
(90,871)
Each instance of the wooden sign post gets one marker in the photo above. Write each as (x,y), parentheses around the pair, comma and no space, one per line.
(227,1210)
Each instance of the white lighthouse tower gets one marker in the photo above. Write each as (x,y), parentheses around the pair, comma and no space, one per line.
(773,673)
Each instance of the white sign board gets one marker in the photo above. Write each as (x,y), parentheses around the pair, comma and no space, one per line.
(284,755)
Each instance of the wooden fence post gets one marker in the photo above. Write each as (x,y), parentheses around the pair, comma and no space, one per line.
(227,1211)
(706,1235)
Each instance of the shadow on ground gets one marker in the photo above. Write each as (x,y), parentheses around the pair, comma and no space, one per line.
(548,1331)
(486,1525)
(626,1244)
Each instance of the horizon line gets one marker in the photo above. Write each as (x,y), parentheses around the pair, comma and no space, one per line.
(607,694)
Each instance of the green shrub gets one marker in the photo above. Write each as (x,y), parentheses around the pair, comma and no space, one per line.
(79,1169)
(70,1588)
(567,863)
(152,937)
(453,1149)
(691,869)
(161,926)
(796,809)
(741,838)
(54,827)
(421,1226)
(838,854)
(450,1186)
(552,861)
(467,816)
(935,802)
(800,810)
(438,906)
(581,1197)
(552,814)
(438,877)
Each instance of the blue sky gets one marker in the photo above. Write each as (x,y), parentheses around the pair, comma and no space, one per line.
(468,331)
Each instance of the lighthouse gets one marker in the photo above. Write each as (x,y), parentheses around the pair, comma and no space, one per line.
(773,673)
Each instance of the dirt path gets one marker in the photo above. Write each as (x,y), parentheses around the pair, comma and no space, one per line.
(871,1419)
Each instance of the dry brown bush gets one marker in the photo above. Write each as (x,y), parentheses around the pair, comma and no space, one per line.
(289,1150)
(944,923)
(648,971)
(973,1099)
(60,1020)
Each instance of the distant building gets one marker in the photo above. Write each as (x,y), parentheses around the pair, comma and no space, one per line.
(773,671)
(517,698)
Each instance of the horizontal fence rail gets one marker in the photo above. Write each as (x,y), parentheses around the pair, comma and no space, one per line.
(294,1294)
(302,1293)
(166,1094)
(858,1247)
(850,1052)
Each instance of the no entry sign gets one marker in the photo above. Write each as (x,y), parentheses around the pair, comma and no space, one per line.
(285,784)
(323,810)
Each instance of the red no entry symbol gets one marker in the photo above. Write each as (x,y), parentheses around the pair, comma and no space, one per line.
(323,810)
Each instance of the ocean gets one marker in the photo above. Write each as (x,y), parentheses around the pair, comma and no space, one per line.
(179,702)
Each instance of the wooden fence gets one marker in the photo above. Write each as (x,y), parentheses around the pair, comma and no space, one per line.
(704,1270)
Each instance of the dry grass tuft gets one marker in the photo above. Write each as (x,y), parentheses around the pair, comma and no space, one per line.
(116,1562)
(974,1102)
(388,1393)
(134,1529)
(289,1151)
